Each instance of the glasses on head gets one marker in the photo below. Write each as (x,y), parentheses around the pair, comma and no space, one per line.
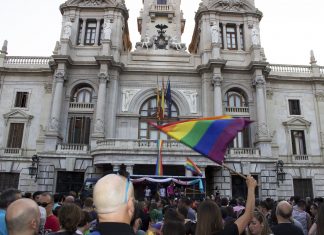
(43,204)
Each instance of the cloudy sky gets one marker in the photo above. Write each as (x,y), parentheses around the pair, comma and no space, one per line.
(289,28)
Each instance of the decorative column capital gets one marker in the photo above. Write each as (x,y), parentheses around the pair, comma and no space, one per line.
(103,77)
(59,76)
(217,80)
(259,81)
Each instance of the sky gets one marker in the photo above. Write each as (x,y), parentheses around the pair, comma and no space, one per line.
(289,29)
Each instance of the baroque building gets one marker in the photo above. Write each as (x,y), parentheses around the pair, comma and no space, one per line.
(84,110)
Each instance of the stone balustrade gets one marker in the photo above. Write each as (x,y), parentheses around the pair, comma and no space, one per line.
(161,7)
(237,109)
(75,106)
(12,151)
(72,148)
(243,152)
(26,60)
(282,68)
(300,158)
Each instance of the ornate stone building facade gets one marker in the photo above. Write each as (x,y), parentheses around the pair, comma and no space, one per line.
(84,109)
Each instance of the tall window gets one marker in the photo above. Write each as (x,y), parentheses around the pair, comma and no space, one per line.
(231,37)
(90,32)
(221,35)
(298,142)
(101,34)
(79,130)
(294,107)
(303,188)
(21,99)
(242,37)
(161,2)
(148,113)
(80,32)
(83,94)
(15,137)
(242,140)
(235,98)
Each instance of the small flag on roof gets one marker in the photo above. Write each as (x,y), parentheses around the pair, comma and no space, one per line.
(208,136)
(191,166)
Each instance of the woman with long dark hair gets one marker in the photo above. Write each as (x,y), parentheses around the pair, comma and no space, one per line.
(209,218)
(318,226)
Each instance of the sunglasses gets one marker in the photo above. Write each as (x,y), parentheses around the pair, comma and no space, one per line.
(43,204)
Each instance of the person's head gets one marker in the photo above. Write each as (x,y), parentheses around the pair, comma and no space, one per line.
(28,195)
(301,204)
(23,217)
(183,210)
(171,214)
(264,207)
(314,209)
(320,217)
(283,211)
(259,225)
(209,218)
(8,196)
(224,201)
(113,198)
(46,201)
(85,220)
(69,199)
(69,217)
(173,228)
(88,203)
(36,196)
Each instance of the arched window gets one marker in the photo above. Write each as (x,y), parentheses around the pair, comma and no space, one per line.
(148,112)
(235,98)
(82,94)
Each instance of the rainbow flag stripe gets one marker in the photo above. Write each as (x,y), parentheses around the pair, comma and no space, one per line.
(159,166)
(191,166)
(208,136)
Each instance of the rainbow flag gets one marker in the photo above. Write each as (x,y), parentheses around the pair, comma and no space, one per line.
(191,166)
(159,166)
(208,136)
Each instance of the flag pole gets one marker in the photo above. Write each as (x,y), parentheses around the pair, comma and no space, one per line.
(234,171)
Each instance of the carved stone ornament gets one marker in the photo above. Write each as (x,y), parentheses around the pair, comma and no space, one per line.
(217,80)
(259,82)
(127,95)
(269,93)
(103,77)
(235,5)
(54,124)
(91,3)
(191,97)
(262,130)
(319,96)
(99,126)
(60,75)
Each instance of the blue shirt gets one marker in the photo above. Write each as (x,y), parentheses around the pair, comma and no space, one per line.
(3,226)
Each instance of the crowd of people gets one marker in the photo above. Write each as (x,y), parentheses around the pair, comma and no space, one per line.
(113,210)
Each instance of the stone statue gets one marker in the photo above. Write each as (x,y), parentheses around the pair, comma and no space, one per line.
(214,33)
(146,41)
(255,36)
(175,44)
(67,30)
(107,29)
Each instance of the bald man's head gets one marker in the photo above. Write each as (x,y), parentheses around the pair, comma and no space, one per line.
(114,194)
(284,210)
(23,217)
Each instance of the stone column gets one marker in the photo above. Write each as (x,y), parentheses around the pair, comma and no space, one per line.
(97,32)
(84,24)
(224,37)
(218,101)
(57,101)
(99,128)
(238,36)
(262,129)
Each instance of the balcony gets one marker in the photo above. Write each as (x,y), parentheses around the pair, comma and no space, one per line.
(240,111)
(162,9)
(72,148)
(243,153)
(12,152)
(300,159)
(81,107)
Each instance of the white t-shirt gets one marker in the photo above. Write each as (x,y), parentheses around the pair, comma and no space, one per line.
(147,192)
(162,192)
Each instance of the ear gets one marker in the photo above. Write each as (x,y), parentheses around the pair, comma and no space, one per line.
(33,224)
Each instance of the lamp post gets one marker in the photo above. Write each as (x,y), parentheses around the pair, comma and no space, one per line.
(281,175)
(33,169)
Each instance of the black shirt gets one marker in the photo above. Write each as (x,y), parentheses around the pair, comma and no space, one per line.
(286,228)
(109,228)
(229,229)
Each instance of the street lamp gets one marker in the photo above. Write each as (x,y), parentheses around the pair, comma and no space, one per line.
(281,175)
(33,169)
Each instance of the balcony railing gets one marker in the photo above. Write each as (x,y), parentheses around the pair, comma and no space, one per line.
(12,151)
(290,68)
(72,148)
(300,158)
(237,110)
(159,8)
(243,152)
(81,107)
(26,60)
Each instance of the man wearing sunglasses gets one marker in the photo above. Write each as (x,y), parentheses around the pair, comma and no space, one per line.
(114,201)
(51,224)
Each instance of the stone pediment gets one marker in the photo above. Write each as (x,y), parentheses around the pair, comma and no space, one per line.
(297,122)
(230,5)
(17,115)
(95,3)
